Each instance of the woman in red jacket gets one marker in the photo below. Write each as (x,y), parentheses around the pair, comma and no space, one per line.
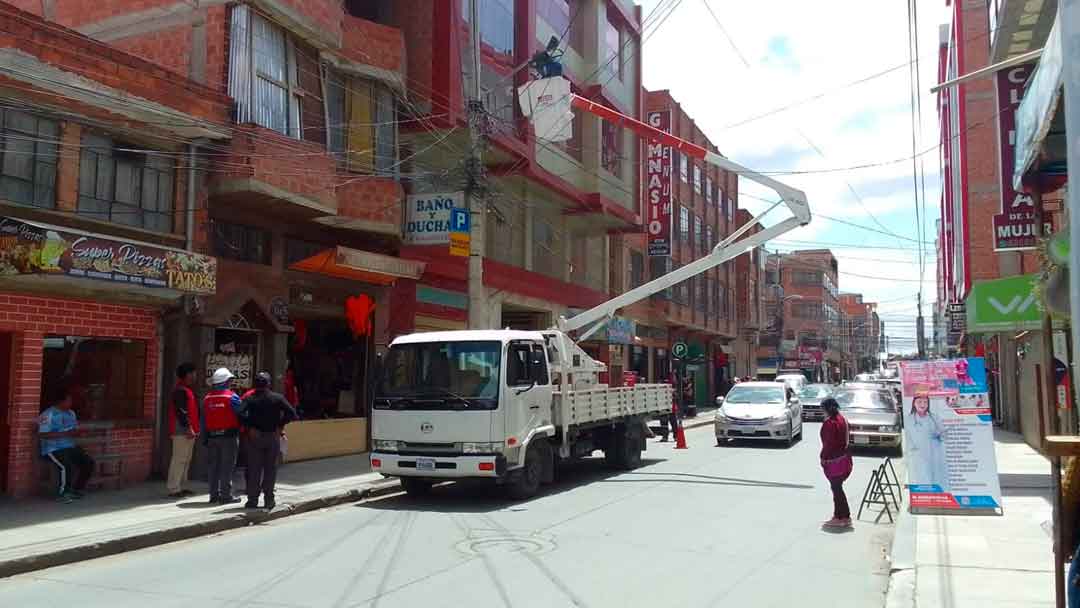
(836,461)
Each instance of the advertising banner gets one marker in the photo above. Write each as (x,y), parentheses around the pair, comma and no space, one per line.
(427,217)
(1018,228)
(658,224)
(32,249)
(949,437)
(1015,227)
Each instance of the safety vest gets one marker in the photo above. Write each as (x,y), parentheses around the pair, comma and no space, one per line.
(218,413)
(188,416)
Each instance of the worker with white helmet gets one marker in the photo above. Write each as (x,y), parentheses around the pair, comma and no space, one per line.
(221,426)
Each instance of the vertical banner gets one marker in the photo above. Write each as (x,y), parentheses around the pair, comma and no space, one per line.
(1016,227)
(949,437)
(658,224)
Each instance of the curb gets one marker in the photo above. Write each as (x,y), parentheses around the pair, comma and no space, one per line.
(116,546)
(901,591)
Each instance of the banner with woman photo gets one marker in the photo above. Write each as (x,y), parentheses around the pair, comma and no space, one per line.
(949,437)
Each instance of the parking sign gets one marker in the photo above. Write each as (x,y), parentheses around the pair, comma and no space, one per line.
(459,220)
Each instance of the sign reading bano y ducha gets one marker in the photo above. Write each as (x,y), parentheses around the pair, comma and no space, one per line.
(427,217)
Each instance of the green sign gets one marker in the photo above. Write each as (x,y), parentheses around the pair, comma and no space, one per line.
(1058,247)
(679,350)
(1004,304)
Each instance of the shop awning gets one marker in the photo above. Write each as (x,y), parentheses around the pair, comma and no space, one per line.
(1036,111)
(363,266)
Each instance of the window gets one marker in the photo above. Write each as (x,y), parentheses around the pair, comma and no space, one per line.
(108,375)
(123,186)
(575,144)
(613,51)
(273,77)
(708,238)
(241,243)
(28,152)
(697,179)
(684,225)
(556,13)
(701,297)
(468,369)
(806,277)
(720,201)
(730,209)
(547,250)
(496,24)
(637,269)
(684,167)
(806,310)
(611,151)
(361,127)
(658,266)
(699,233)
(708,190)
(297,250)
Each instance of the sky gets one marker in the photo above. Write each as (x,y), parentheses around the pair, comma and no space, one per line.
(810,54)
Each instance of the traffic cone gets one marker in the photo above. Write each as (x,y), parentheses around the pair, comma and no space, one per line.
(680,438)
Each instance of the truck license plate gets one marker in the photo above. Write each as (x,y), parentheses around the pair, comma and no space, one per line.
(425,464)
(861,439)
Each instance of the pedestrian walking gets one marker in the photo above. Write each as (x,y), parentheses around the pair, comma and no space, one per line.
(265,415)
(183,428)
(221,424)
(57,427)
(836,461)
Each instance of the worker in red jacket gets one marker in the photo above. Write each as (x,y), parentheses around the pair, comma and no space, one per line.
(221,425)
(183,428)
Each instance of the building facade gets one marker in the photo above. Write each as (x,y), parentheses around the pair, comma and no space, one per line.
(863,328)
(810,308)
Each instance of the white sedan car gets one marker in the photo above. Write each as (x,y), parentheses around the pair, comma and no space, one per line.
(758,410)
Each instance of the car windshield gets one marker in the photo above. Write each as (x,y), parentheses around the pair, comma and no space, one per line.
(864,400)
(460,370)
(816,393)
(755,394)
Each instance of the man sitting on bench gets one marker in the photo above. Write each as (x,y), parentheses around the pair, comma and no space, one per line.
(57,427)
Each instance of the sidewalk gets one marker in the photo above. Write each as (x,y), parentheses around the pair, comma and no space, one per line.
(38,533)
(982,561)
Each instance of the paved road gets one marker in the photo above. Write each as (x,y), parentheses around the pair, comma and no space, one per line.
(709,526)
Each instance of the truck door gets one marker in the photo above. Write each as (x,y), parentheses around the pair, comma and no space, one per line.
(529,389)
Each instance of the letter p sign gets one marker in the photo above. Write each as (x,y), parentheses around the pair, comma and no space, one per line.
(459,220)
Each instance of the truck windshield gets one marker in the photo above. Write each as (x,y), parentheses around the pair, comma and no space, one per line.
(464,372)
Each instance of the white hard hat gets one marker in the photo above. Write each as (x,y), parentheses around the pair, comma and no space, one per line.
(221,376)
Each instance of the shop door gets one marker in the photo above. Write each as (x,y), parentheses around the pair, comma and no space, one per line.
(6,342)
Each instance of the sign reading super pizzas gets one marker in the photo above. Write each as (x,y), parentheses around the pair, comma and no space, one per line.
(658,224)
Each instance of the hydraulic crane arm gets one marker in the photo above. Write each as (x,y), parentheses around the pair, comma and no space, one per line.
(729,248)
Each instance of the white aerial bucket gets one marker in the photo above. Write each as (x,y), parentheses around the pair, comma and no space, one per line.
(546,102)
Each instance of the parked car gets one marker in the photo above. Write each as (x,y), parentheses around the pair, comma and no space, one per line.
(865,377)
(795,382)
(811,397)
(872,415)
(758,410)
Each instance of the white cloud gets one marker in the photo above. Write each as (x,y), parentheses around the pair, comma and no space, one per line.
(797,50)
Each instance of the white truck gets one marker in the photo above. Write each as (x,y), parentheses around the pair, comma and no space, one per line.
(510,405)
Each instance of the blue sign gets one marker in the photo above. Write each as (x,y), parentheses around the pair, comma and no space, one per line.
(620,331)
(459,220)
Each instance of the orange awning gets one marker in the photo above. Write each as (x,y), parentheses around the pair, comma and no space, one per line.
(363,266)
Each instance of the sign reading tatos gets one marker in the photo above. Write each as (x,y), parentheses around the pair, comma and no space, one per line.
(31,249)
(658,223)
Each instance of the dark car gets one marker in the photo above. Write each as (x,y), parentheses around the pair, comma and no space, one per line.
(811,397)
(873,416)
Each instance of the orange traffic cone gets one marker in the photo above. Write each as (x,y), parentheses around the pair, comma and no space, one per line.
(680,436)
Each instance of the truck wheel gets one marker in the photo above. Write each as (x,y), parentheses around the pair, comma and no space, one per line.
(625,449)
(527,480)
(416,487)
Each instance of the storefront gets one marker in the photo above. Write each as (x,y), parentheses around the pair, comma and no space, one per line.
(318,323)
(82,313)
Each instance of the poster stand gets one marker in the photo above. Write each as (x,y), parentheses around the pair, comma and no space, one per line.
(879,492)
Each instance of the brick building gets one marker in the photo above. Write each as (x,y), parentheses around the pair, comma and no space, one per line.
(862,327)
(550,206)
(295,188)
(810,309)
(95,252)
(750,315)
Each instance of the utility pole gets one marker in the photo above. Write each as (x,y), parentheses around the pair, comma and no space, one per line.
(919,330)
(475,195)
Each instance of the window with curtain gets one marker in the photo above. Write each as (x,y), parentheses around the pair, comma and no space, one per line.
(611,151)
(274,78)
(684,168)
(612,57)
(361,123)
(699,233)
(697,179)
(118,184)
(708,190)
(684,225)
(28,153)
(708,238)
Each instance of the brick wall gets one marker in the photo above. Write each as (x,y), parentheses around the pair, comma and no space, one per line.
(372,199)
(171,48)
(373,44)
(75,13)
(33,317)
